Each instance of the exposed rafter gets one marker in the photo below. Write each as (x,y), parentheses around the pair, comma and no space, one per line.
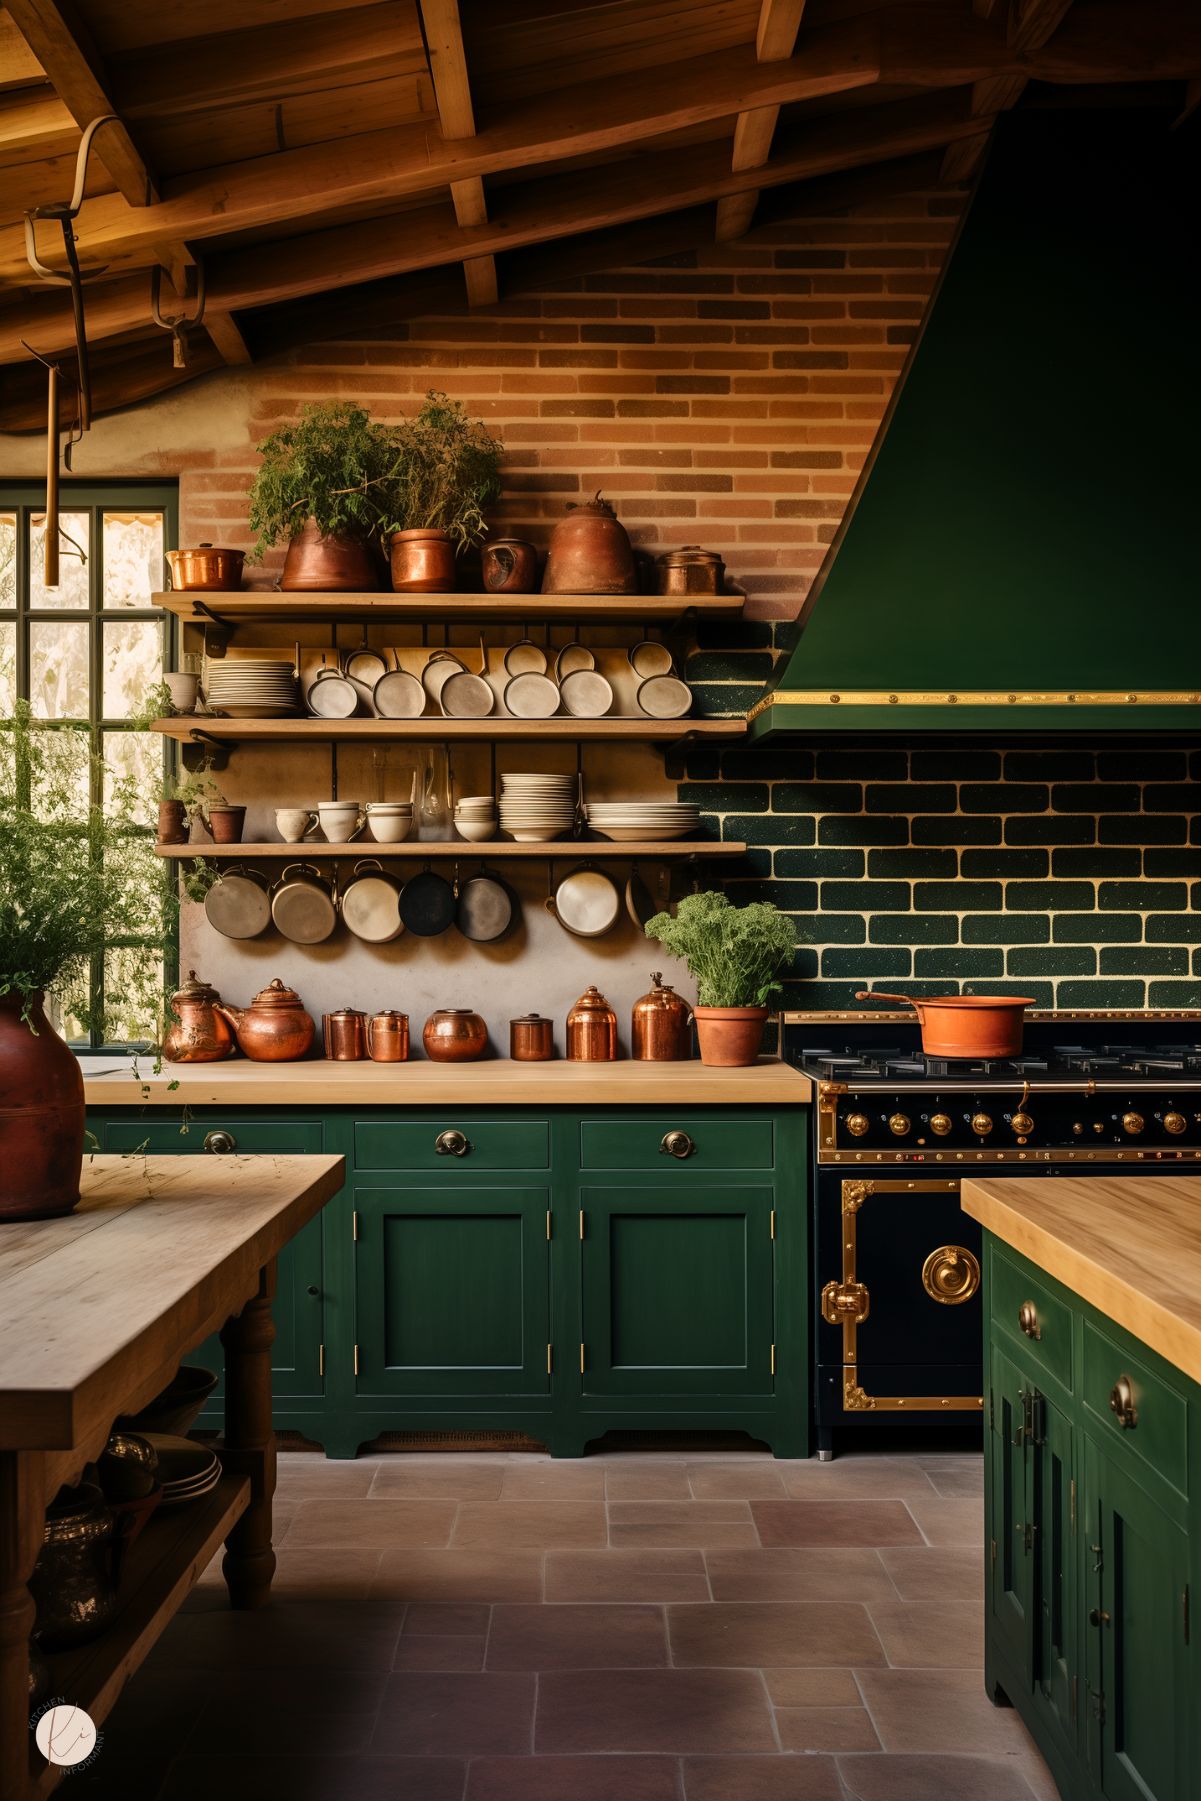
(452,89)
(1031,24)
(779,21)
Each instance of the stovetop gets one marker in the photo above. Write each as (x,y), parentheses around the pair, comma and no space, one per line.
(894,1067)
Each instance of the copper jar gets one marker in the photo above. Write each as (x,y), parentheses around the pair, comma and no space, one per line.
(344,1033)
(590,553)
(531,1038)
(454,1035)
(199,1034)
(509,566)
(72,1582)
(689,571)
(388,1036)
(660,1028)
(592,1029)
(274,1028)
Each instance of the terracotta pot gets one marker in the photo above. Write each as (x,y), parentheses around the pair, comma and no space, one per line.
(590,553)
(225,823)
(423,562)
(328,565)
(172,822)
(41,1115)
(965,1025)
(729,1037)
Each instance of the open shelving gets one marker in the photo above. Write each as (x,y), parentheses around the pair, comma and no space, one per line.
(493,849)
(262,606)
(192,728)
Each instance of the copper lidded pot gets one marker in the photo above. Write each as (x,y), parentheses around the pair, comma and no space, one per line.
(388,1036)
(454,1035)
(592,1029)
(590,552)
(531,1038)
(660,1027)
(690,570)
(274,1028)
(345,1034)
(198,1034)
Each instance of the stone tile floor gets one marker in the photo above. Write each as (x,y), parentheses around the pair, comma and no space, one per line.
(700,1626)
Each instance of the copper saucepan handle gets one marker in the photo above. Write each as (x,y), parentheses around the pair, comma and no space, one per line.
(878,994)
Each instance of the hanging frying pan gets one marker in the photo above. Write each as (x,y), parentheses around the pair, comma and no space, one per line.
(486,908)
(237,905)
(467,696)
(664,697)
(427,904)
(370,903)
(573,656)
(398,694)
(586,902)
(525,658)
(531,695)
(438,671)
(640,902)
(586,694)
(331,695)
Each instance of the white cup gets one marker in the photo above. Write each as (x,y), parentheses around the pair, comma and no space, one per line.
(341,820)
(183,689)
(294,823)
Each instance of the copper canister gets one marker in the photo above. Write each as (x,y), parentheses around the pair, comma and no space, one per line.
(531,1038)
(660,1025)
(345,1034)
(592,1029)
(388,1036)
(689,571)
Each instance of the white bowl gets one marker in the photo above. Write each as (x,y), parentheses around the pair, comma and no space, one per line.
(476,831)
(390,828)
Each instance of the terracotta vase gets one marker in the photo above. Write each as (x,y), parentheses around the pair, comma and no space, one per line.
(729,1037)
(41,1115)
(225,823)
(423,562)
(172,822)
(317,565)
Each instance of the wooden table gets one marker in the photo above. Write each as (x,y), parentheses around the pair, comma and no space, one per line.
(96,1311)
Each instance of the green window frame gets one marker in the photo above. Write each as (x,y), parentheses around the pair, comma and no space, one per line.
(89,602)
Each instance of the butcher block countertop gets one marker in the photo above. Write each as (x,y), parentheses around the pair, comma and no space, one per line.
(494,1082)
(1129,1245)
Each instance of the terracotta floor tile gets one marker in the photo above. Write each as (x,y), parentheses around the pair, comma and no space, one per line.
(866,1478)
(315,1779)
(305,1476)
(454,1651)
(826,1729)
(534,1525)
(926,1573)
(469,1618)
(303,1634)
(757,1633)
(817,1687)
(955,1522)
(665,1482)
(557,1481)
(955,1778)
(930,1634)
(449,1577)
(761,1779)
(349,1574)
(370,1524)
(958,1480)
(565,1637)
(735,1482)
(911,1709)
(655,1575)
(573,1779)
(652,1710)
(439,1478)
(837,1522)
(424,1714)
(801,1573)
(635,1524)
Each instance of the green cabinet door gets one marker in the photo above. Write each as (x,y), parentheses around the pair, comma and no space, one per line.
(677,1291)
(1141,1688)
(452,1291)
(1053,1557)
(1010,1582)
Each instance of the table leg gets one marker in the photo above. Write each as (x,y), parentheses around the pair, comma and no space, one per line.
(21,1518)
(249,1561)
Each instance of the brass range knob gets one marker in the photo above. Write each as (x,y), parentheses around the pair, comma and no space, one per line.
(981,1124)
(857,1124)
(940,1124)
(1022,1124)
(1174,1123)
(898,1125)
(1133,1123)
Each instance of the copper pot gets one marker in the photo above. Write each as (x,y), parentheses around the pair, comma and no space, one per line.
(388,1036)
(200,1034)
(41,1115)
(590,553)
(454,1035)
(334,565)
(689,571)
(592,1029)
(207,569)
(509,566)
(531,1038)
(274,1028)
(344,1034)
(423,562)
(965,1025)
(660,1025)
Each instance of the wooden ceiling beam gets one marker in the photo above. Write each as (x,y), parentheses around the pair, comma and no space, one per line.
(1031,24)
(775,39)
(452,90)
(34,123)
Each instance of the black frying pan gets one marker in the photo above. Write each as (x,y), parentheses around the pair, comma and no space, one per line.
(427,904)
(486,908)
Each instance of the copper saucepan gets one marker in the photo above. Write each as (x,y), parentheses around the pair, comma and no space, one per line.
(208,568)
(964,1025)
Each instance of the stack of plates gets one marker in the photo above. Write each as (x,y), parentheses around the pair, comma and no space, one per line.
(187,1470)
(536,808)
(252,688)
(628,820)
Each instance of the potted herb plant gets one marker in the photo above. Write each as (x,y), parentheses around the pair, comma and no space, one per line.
(737,955)
(445,471)
(317,491)
(187,795)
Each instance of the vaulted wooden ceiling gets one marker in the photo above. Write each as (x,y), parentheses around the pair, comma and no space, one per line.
(333,166)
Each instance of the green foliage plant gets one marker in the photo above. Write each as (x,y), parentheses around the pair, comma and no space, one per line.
(327,468)
(445,471)
(154,704)
(737,954)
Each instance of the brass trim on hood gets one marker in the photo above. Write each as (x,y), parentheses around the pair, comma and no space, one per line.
(973,697)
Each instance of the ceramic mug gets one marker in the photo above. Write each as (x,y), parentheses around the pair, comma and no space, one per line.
(341,820)
(183,689)
(294,823)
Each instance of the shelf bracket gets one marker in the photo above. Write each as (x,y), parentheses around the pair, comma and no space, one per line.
(204,751)
(206,613)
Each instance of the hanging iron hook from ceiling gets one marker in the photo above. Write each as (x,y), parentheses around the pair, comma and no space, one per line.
(177,327)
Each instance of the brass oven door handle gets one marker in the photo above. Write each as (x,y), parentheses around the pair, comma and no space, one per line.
(1121,1402)
(220,1143)
(677,1144)
(452,1144)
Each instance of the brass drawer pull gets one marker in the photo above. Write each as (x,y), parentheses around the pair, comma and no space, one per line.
(1097,1616)
(1121,1403)
(676,1144)
(220,1143)
(1028,1320)
(452,1144)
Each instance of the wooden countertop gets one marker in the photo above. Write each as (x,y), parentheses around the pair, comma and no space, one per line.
(1129,1245)
(493,1082)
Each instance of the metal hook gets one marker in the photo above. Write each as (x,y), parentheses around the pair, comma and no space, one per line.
(176,326)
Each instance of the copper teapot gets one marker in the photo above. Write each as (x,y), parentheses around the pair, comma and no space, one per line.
(590,552)
(660,1029)
(198,1034)
(274,1028)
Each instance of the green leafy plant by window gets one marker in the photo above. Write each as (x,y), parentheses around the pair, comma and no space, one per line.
(737,954)
(327,468)
(445,471)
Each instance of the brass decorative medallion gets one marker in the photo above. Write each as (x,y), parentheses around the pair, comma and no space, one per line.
(951,1274)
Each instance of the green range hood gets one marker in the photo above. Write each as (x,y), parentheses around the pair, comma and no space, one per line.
(1023,551)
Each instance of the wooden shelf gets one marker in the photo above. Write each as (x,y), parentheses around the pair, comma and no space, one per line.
(192,727)
(494,849)
(262,606)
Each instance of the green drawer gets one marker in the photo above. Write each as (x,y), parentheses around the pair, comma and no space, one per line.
(1159,1437)
(248,1137)
(1047,1344)
(714,1141)
(412,1144)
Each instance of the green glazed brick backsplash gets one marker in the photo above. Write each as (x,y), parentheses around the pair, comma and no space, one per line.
(1066,873)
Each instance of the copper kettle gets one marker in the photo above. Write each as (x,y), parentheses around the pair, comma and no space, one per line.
(274,1028)
(592,1029)
(660,1029)
(590,552)
(198,1034)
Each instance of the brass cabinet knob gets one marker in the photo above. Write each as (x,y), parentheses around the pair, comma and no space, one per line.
(1028,1320)
(1121,1403)
(981,1124)
(1133,1123)
(221,1144)
(1174,1123)
(898,1125)
(857,1124)
(1097,1616)
(676,1144)
(1022,1124)
(452,1144)
(940,1124)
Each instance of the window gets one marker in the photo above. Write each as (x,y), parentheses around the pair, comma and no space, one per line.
(84,656)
